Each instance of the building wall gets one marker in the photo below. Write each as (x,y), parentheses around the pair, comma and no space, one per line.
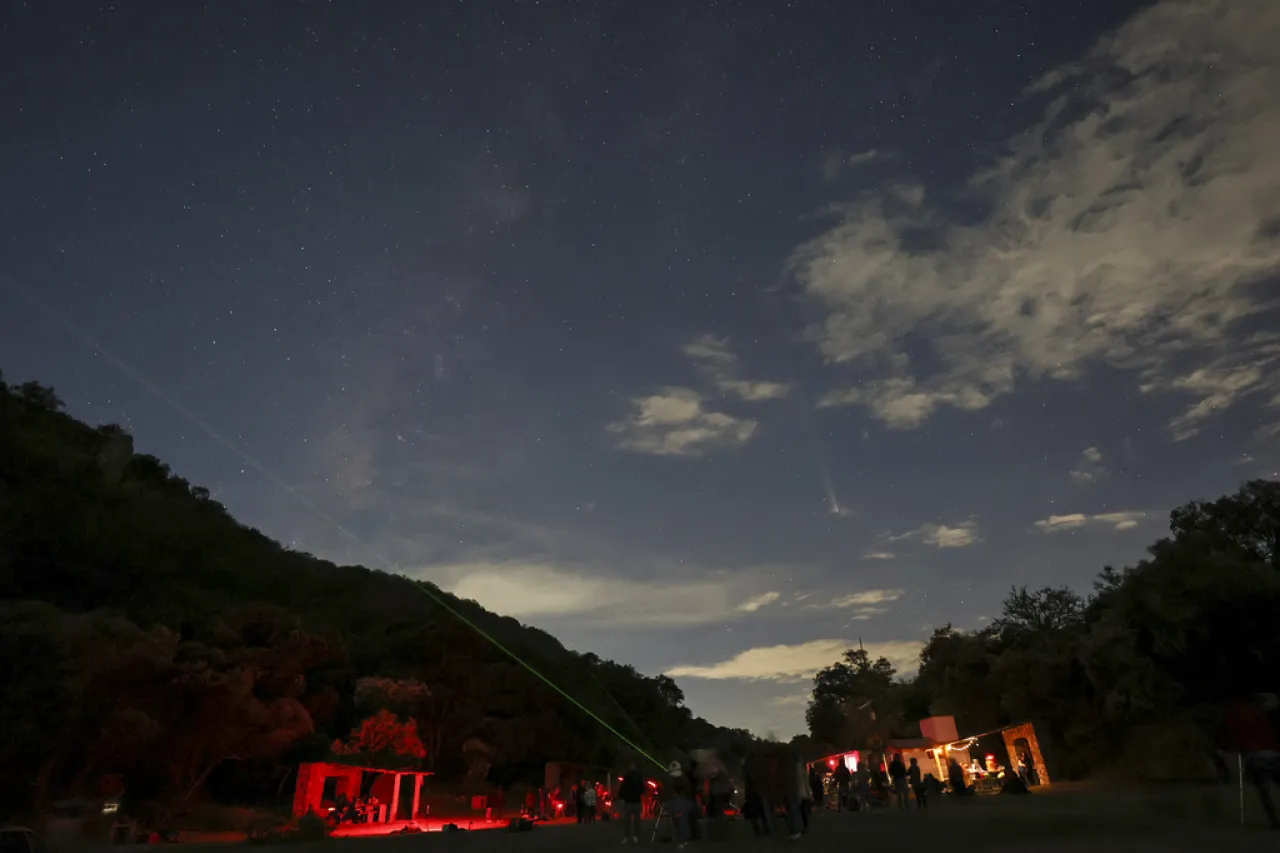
(1028,731)
(310,786)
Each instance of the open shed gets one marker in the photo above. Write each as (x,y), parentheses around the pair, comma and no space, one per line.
(398,792)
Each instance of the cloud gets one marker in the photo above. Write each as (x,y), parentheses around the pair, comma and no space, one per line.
(1090,468)
(864,614)
(878,555)
(861,606)
(537,590)
(961,536)
(943,536)
(710,351)
(1221,385)
(1117,520)
(866,598)
(764,599)
(790,663)
(1131,227)
(676,422)
(715,357)
(836,164)
(754,392)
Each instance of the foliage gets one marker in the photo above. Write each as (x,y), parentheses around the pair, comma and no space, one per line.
(1150,657)
(384,739)
(305,830)
(853,701)
(143,631)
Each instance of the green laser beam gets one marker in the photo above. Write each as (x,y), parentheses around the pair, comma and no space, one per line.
(618,705)
(240,453)
(544,679)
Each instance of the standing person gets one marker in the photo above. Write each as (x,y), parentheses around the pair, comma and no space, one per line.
(631,795)
(917,785)
(679,809)
(589,803)
(842,785)
(804,796)
(815,786)
(898,779)
(721,790)
(755,807)
(579,803)
(1250,730)
(864,788)
(955,775)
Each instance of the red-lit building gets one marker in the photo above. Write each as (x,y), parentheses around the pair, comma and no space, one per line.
(398,792)
(940,742)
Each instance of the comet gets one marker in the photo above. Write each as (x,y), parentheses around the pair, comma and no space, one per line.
(833,502)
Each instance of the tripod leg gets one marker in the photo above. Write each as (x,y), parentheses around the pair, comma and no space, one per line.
(657,820)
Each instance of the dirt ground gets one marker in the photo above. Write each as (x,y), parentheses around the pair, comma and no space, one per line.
(1067,818)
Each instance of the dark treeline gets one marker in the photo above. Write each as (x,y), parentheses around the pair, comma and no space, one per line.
(1132,677)
(146,633)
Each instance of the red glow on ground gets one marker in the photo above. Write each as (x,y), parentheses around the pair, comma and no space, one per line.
(433,824)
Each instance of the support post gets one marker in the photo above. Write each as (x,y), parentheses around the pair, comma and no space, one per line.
(395,799)
(417,794)
(1240,768)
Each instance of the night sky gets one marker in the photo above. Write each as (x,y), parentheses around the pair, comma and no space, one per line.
(706,336)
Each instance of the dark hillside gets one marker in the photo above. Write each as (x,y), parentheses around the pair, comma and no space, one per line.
(145,585)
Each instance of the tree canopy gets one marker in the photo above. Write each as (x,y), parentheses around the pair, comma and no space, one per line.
(1154,650)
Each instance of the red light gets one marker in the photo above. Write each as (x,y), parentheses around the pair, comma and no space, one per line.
(831,762)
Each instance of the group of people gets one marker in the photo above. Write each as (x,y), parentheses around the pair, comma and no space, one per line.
(355,810)
(869,787)
(690,794)
(779,793)
(587,797)
(587,801)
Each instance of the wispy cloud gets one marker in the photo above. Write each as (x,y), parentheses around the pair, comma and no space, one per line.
(677,422)
(1116,520)
(715,357)
(791,663)
(961,535)
(860,606)
(865,614)
(1129,228)
(865,598)
(711,351)
(878,555)
(764,599)
(1222,384)
(1090,468)
(837,164)
(754,391)
(589,594)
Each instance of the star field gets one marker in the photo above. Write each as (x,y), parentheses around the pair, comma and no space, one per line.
(710,337)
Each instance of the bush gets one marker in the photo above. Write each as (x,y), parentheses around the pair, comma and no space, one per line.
(306,829)
(311,827)
(1173,751)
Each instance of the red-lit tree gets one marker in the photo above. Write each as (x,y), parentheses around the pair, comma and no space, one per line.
(384,739)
